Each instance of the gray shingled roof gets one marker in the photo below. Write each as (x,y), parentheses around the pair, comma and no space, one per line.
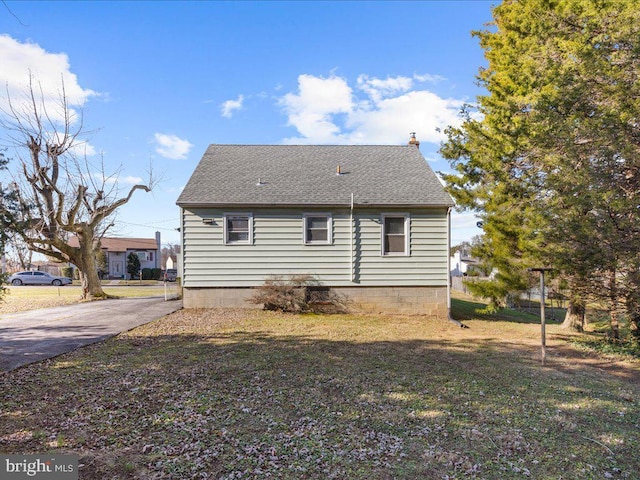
(306,175)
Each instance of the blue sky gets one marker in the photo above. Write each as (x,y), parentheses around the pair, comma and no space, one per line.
(158,82)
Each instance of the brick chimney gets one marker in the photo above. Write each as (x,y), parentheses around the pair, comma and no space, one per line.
(413,140)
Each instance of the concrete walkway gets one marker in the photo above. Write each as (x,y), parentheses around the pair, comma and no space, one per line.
(31,336)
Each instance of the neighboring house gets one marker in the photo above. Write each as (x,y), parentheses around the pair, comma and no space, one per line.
(371,222)
(462,263)
(118,248)
(52,268)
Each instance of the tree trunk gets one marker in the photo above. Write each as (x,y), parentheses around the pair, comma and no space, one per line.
(574,319)
(91,286)
(86,263)
(615,324)
(634,325)
(613,309)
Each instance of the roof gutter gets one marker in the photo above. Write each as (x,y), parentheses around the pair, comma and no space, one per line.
(309,205)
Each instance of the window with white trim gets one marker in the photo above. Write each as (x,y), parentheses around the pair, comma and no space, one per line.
(317,228)
(395,234)
(238,229)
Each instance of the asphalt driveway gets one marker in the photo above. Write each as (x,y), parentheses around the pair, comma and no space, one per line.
(27,337)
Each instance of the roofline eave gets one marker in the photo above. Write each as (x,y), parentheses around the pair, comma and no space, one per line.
(312,205)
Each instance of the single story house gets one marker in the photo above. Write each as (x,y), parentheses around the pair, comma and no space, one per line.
(118,249)
(370,221)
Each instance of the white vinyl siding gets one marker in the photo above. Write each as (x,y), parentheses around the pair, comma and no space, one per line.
(277,249)
(428,244)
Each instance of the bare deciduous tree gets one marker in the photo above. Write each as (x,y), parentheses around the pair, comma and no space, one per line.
(172,251)
(60,193)
(18,250)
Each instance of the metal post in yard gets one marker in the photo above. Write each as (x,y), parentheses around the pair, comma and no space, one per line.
(542,318)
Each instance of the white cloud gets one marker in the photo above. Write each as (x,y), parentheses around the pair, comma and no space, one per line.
(49,71)
(379,111)
(427,77)
(311,110)
(320,95)
(171,146)
(83,149)
(391,119)
(377,88)
(129,180)
(101,178)
(231,106)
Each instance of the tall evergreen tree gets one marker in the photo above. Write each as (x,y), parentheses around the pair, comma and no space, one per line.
(10,222)
(551,157)
(5,220)
(133,265)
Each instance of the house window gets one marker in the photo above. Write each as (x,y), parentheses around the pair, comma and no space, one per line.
(238,229)
(143,256)
(395,235)
(317,228)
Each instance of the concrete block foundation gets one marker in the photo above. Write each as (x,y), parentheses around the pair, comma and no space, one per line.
(430,301)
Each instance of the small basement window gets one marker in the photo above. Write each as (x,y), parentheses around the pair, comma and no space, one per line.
(317,229)
(238,229)
(395,235)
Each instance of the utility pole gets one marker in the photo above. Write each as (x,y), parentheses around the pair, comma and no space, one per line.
(542,318)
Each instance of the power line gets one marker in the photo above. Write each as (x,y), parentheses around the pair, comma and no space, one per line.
(151,226)
(13,14)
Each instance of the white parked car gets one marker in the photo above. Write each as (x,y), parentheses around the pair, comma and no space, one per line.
(37,278)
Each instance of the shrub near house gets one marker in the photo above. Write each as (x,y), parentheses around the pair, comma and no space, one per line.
(151,274)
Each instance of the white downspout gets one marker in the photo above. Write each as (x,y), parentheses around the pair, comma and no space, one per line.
(352,233)
(451,319)
(180,258)
(449,260)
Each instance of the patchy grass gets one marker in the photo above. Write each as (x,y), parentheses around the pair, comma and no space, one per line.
(603,344)
(464,307)
(134,283)
(596,339)
(229,394)
(139,290)
(19,299)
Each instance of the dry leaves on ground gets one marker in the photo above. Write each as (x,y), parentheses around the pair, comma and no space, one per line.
(229,394)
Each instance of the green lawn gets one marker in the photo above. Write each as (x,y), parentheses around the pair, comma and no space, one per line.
(23,298)
(229,394)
